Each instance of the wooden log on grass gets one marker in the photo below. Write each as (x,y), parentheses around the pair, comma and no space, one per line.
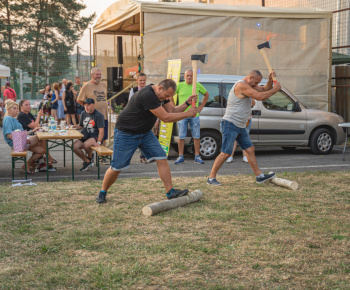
(285,183)
(164,205)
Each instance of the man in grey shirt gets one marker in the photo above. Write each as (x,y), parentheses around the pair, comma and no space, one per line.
(235,119)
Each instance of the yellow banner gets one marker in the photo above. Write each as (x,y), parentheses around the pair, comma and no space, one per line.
(166,129)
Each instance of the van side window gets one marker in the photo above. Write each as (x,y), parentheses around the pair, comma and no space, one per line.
(226,91)
(279,102)
(214,95)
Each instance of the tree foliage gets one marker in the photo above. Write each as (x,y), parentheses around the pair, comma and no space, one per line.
(37,36)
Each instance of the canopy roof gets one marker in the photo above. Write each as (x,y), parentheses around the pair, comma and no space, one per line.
(123,17)
(4,71)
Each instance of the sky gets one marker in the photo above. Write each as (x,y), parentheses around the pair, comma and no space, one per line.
(97,6)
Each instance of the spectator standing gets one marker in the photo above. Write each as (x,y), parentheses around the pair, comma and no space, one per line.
(45,104)
(54,101)
(184,90)
(9,93)
(141,83)
(60,108)
(77,88)
(68,100)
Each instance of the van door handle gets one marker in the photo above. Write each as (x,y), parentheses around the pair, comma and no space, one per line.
(256,112)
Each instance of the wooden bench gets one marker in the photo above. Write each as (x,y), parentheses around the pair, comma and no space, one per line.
(102,152)
(18,156)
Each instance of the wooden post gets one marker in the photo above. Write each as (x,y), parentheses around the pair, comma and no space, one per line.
(164,205)
(285,183)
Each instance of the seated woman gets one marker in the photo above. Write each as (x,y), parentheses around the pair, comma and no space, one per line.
(11,124)
(28,122)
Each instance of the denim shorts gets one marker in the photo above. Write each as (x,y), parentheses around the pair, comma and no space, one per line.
(232,133)
(125,145)
(195,127)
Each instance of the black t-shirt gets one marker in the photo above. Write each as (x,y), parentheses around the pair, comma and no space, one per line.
(136,118)
(91,123)
(25,120)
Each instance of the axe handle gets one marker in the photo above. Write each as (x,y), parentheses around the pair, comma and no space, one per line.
(263,53)
(194,81)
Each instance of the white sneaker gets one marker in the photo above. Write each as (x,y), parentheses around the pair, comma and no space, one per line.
(230,159)
(245,159)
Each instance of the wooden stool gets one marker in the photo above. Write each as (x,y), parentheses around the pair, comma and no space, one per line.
(102,152)
(18,156)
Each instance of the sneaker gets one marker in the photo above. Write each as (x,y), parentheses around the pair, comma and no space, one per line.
(198,160)
(92,157)
(265,178)
(230,159)
(180,159)
(101,198)
(213,181)
(104,161)
(86,165)
(174,193)
(245,159)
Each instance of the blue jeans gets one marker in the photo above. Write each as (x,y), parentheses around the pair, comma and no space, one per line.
(195,127)
(230,134)
(125,145)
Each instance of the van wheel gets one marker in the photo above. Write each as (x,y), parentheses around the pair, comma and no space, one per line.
(210,145)
(321,141)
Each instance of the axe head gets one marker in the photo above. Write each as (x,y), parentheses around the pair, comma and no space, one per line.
(266,44)
(201,57)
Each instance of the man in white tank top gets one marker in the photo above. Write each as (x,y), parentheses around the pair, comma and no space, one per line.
(234,122)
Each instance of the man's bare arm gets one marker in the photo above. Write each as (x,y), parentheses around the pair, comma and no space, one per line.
(253,93)
(166,117)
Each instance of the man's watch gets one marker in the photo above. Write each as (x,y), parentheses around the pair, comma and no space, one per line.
(187,103)
(98,143)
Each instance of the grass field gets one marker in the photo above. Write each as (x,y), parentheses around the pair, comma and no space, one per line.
(240,235)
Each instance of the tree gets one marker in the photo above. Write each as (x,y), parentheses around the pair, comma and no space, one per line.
(45,32)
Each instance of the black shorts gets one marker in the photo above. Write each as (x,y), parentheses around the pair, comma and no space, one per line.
(70,110)
(83,139)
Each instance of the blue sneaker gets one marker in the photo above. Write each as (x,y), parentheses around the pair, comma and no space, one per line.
(198,159)
(265,178)
(213,181)
(180,159)
(101,198)
(174,193)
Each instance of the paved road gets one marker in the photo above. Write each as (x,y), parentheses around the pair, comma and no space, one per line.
(275,159)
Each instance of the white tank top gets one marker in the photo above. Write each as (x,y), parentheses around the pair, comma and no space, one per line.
(237,110)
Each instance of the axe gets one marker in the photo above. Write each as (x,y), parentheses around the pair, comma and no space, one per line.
(196,57)
(261,47)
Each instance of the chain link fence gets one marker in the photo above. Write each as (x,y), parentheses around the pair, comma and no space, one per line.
(35,63)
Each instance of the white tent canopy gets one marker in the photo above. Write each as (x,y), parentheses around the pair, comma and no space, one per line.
(4,71)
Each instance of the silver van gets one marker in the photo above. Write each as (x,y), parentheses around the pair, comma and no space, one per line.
(280,120)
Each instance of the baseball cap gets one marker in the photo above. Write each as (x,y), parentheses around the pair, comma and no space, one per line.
(89,101)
